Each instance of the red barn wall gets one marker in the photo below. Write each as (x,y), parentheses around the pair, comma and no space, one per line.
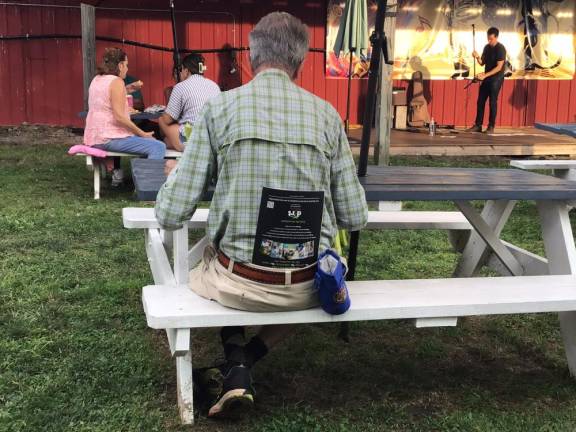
(41,80)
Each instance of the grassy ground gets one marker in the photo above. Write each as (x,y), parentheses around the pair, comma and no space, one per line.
(76,355)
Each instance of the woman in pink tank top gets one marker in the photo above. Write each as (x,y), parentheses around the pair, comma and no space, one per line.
(108,124)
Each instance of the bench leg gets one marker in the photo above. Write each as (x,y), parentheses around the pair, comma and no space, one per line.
(389,205)
(185,387)
(458,239)
(96,174)
(561,254)
(495,214)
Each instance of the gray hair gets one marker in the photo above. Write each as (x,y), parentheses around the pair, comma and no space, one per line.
(279,40)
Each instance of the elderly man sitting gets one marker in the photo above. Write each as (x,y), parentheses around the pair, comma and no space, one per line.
(269,133)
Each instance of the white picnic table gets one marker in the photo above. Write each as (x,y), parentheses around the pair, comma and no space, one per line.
(540,284)
(565,169)
(97,165)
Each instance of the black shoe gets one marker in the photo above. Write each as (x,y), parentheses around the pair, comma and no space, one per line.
(208,383)
(489,130)
(474,128)
(237,395)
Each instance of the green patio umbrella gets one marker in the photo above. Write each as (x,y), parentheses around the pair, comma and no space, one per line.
(352,37)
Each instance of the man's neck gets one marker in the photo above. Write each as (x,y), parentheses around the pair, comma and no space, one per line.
(265,68)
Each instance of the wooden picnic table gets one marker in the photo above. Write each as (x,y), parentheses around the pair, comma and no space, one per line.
(500,188)
(537,285)
(449,184)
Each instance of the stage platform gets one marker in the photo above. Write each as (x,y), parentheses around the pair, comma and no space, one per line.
(505,142)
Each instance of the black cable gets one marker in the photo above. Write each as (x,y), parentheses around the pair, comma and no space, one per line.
(131,42)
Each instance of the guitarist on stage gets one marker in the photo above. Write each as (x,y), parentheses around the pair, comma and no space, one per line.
(493,58)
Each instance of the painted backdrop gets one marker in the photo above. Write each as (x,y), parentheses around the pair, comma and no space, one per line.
(436,38)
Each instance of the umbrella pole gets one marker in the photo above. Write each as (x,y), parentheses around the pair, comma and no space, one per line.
(176,55)
(377,39)
(473,49)
(347,122)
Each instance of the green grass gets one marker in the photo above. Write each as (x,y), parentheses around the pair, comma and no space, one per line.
(76,355)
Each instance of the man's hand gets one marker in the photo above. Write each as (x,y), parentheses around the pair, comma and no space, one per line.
(133,87)
(475,54)
(169,166)
(481,76)
(147,135)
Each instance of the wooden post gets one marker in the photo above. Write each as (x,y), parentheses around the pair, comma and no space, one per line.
(386,111)
(88,20)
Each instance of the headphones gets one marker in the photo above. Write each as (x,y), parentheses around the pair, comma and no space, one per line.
(201,68)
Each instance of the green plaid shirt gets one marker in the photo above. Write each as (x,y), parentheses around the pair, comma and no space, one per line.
(267,133)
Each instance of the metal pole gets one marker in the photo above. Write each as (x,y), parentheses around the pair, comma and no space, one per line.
(474,49)
(377,39)
(347,122)
(352,49)
(176,55)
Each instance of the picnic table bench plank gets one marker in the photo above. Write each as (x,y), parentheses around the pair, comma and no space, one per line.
(143,217)
(543,164)
(176,307)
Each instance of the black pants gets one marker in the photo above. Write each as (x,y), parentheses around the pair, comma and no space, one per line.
(489,89)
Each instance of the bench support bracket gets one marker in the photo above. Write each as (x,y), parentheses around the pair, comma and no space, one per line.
(493,218)
(436,322)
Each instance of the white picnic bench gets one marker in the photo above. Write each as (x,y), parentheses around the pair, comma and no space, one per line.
(98,167)
(564,169)
(169,304)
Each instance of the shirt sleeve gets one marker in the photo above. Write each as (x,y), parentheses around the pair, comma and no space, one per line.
(501,53)
(174,108)
(348,195)
(187,183)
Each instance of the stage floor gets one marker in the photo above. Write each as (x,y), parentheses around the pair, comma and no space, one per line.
(505,142)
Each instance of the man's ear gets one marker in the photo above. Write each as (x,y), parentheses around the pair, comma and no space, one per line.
(297,72)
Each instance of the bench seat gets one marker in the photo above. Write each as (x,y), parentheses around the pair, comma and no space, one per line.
(544,164)
(169,154)
(96,164)
(140,217)
(179,307)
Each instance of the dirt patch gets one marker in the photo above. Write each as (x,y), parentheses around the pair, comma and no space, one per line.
(39,135)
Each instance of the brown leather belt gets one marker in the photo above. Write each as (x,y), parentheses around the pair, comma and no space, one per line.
(265,276)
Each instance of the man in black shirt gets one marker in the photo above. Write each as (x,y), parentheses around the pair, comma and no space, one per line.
(493,58)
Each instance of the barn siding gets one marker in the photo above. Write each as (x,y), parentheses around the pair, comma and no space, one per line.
(41,80)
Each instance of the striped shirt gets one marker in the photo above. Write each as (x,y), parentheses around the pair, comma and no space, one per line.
(267,133)
(188,97)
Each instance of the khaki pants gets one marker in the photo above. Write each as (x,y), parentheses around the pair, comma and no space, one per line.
(213,281)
